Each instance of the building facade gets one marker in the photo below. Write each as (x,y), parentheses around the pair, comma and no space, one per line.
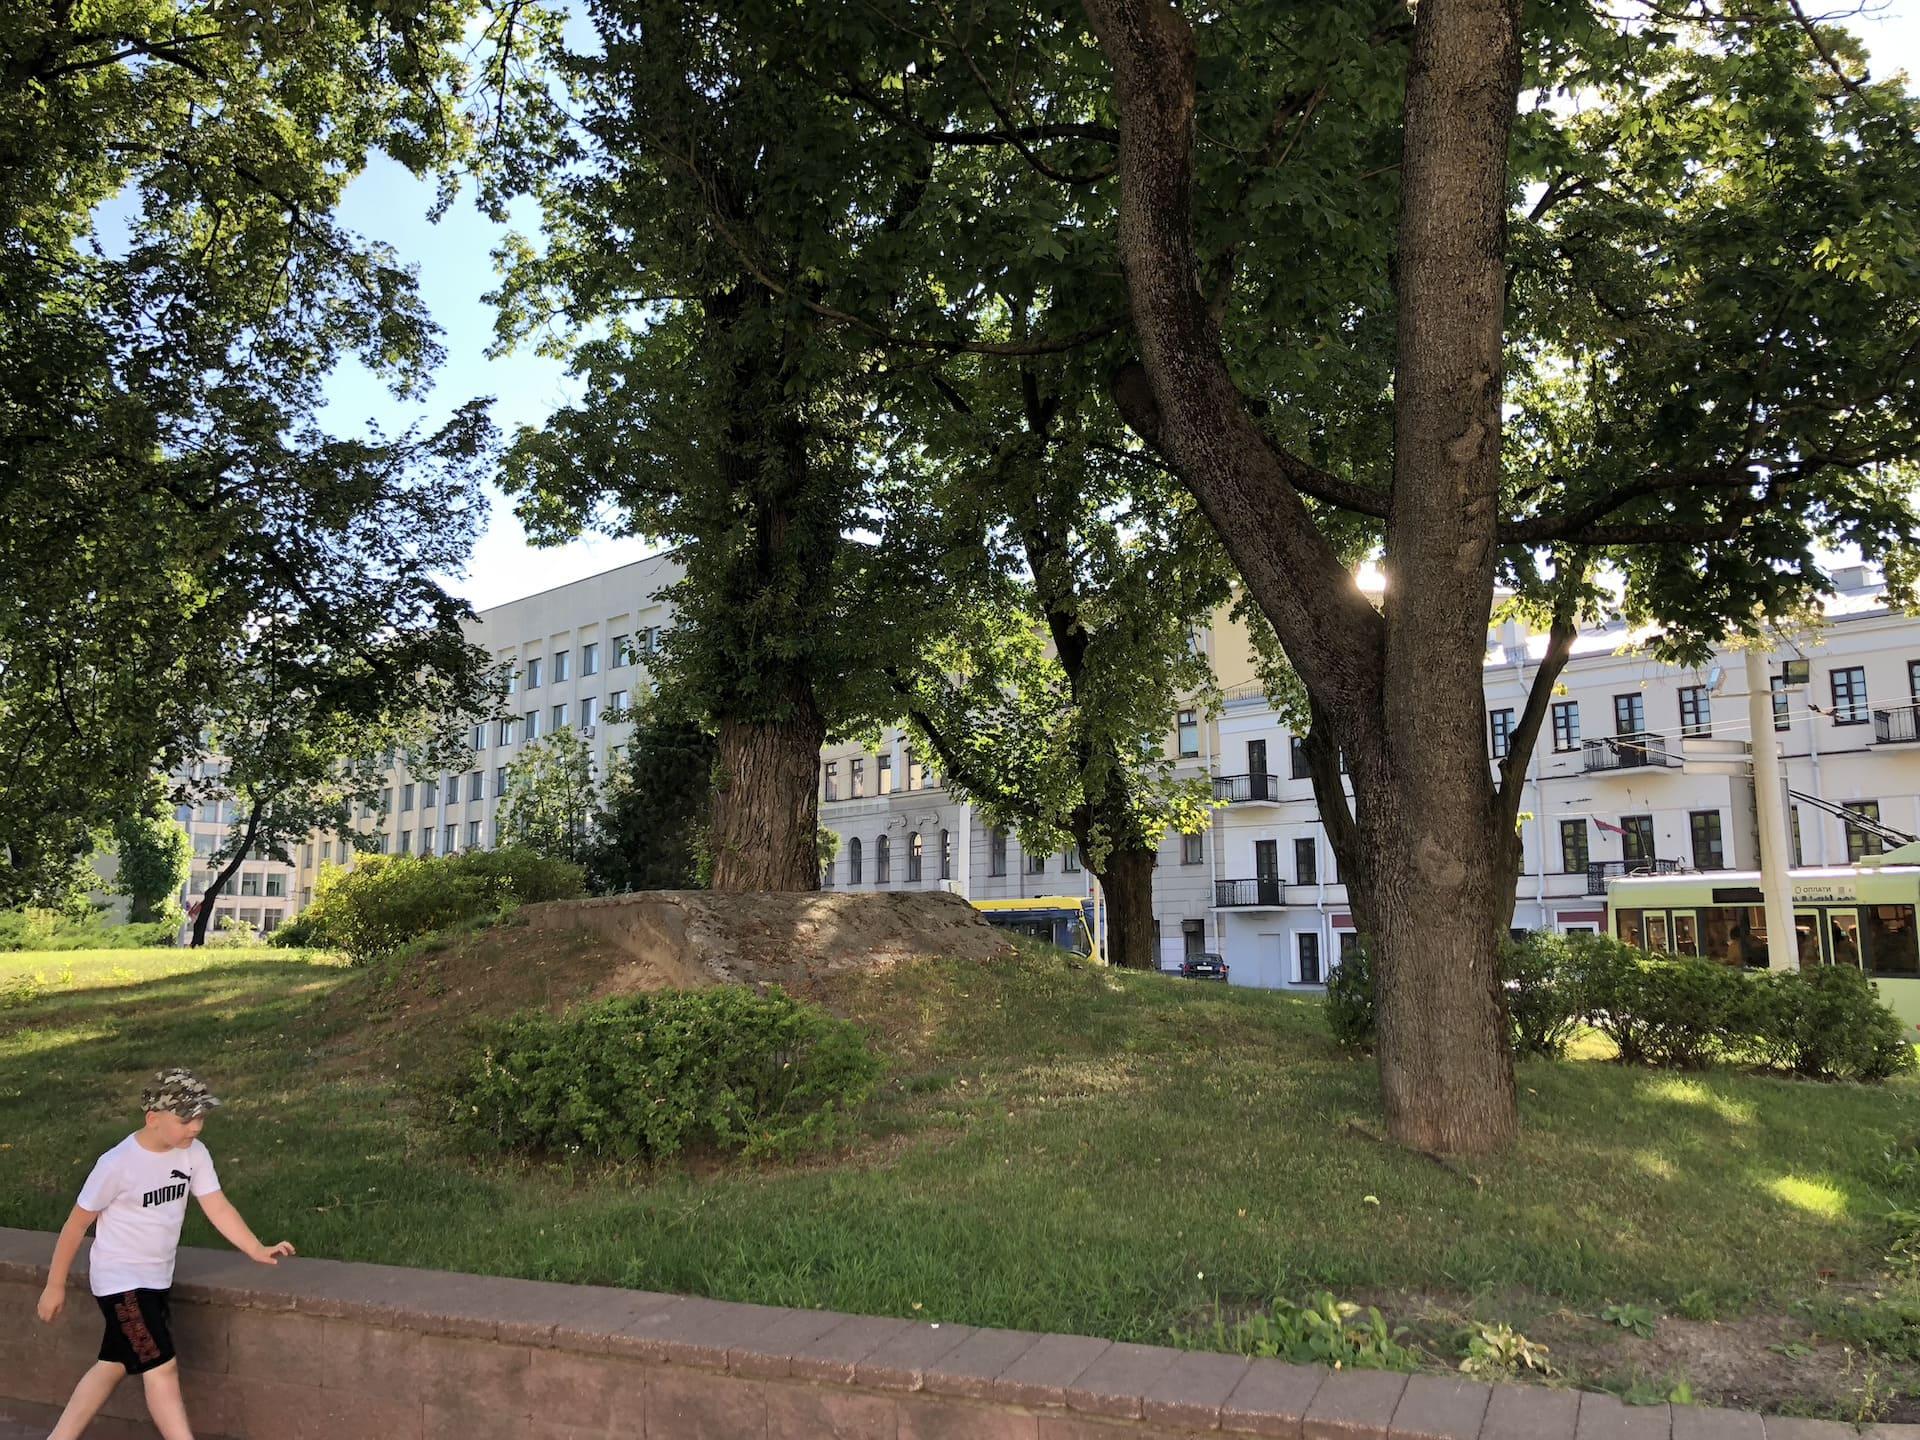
(1608,785)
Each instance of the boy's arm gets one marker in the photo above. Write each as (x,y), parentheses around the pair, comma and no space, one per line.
(53,1299)
(227,1221)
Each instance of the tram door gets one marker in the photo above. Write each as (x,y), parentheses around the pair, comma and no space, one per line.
(1843,935)
(1806,933)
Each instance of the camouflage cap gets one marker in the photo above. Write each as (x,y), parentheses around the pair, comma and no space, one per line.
(179,1091)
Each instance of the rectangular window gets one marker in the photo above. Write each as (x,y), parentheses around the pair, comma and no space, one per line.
(406,842)
(1190,848)
(1708,853)
(1573,847)
(277,887)
(882,860)
(429,794)
(406,798)
(480,737)
(1309,958)
(656,639)
(560,716)
(916,772)
(1189,734)
(533,674)
(946,854)
(476,784)
(426,841)
(562,665)
(1566,725)
(621,654)
(1036,863)
(1297,755)
(1863,842)
(589,707)
(1696,710)
(249,882)
(1070,859)
(506,731)
(1630,714)
(500,780)
(386,799)
(532,719)
(1793,822)
(1306,861)
(883,774)
(1636,840)
(830,780)
(453,790)
(1782,716)
(997,853)
(1913,679)
(857,777)
(1850,696)
(452,839)
(1500,725)
(473,834)
(1193,938)
(589,660)
(617,700)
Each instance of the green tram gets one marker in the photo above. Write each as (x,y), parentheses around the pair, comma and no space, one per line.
(1860,915)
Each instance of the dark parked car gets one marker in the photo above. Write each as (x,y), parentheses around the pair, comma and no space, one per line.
(1204,967)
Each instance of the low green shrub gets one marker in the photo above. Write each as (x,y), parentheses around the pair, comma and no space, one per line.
(1543,1002)
(647,1076)
(57,930)
(1324,1331)
(1349,1007)
(1829,1022)
(387,900)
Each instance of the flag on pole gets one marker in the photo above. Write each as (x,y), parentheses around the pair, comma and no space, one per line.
(1612,829)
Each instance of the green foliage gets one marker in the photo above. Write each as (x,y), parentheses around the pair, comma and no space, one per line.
(1640,1319)
(156,856)
(1324,1331)
(1350,1004)
(1830,1022)
(1885,1323)
(550,799)
(1500,1352)
(55,930)
(651,828)
(646,1077)
(1543,1005)
(385,901)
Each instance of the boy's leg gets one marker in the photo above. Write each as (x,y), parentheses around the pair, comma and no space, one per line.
(164,1406)
(87,1398)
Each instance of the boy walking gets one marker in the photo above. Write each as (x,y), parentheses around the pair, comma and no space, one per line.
(138,1193)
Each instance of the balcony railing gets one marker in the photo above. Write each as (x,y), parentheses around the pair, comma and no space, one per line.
(1600,871)
(1627,752)
(1238,789)
(1898,725)
(1266,892)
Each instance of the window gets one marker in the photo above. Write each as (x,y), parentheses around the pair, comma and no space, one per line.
(914,855)
(655,638)
(476,783)
(1913,678)
(1070,860)
(1850,696)
(1636,837)
(1863,842)
(830,780)
(451,839)
(1036,863)
(473,834)
(1782,716)
(1573,847)
(826,873)
(1793,822)
(533,674)
(429,794)
(1708,852)
(617,701)
(916,772)
(1309,958)
(249,882)
(1306,861)
(857,777)
(853,861)
(386,799)
(480,737)
(1500,722)
(1566,725)
(1189,733)
(532,731)
(1297,754)
(560,716)
(426,841)
(506,731)
(946,855)
(883,774)
(882,860)
(589,660)
(1696,710)
(621,654)
(562,665)
(1630,714)
(1190,849)
(1193,938)
(453,790)
(500,780)
(589,707)
(997,853)
(406,798)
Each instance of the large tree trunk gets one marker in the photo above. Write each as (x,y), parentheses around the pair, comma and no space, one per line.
(1126,882)
(766,809)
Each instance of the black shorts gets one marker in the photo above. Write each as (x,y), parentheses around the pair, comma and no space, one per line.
(138,1333)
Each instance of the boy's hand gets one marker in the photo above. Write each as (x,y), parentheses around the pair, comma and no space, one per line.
(52,1302)
(270,1254)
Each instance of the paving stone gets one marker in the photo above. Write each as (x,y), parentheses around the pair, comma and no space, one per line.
(970,1370)
(901,1363)
(701,1333)
(1439,1407)
(1603,1417)
(1353,1405)
(769,1354)
(1114,1384)
(1781,1427)
(1710,1422)
(833,1354)
(1191,1393)
(1041,1376)
(1530,1412)
(1273,1399)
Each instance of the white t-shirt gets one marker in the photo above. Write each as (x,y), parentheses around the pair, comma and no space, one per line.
(141,1195)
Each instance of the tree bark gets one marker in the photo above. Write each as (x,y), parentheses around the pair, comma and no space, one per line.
(1126,881)
(200,921)
(766,806)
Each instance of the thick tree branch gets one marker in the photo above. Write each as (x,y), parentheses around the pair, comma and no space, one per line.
(1560,637)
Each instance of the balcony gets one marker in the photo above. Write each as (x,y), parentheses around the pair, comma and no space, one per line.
(1268,892)
(1899,725)
(1247,789)
(1601,871)
(1627,752)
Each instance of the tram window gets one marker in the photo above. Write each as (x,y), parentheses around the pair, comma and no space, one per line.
(1657,933)
(1735,935)
(1686,933)
(1806,930)
(1846,937)
(1630,930)
(1891,946)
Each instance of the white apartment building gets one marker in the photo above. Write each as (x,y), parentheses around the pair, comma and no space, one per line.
(1607,785)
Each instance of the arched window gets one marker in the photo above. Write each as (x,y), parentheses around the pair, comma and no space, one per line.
(913,858)
(946,855)
(853,861)
(882,861)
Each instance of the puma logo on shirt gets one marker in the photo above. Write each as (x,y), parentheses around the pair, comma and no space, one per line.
(165,1195)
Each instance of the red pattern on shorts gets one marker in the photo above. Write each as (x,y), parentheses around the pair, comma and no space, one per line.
(133,1325)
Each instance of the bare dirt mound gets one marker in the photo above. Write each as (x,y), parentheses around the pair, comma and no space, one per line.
(557,954)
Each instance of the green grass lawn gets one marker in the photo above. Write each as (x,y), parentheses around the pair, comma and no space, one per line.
(1056,1147)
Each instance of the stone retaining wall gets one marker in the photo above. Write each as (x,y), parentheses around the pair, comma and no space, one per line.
(320,1350)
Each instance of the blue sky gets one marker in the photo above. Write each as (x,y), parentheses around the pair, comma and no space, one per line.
(455,264)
